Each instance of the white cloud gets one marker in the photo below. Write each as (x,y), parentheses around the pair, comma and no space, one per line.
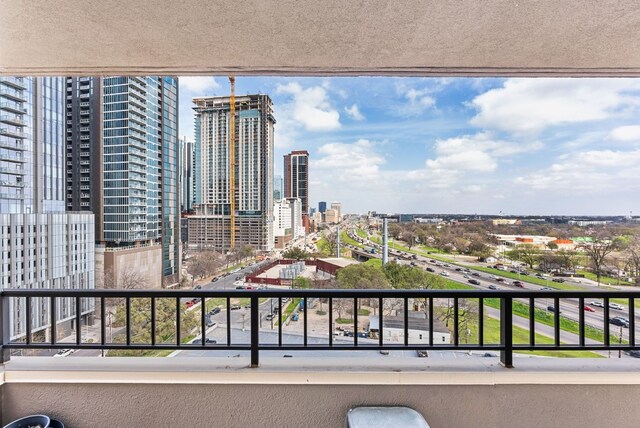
(531,105)
(589,173)
(354,112)
(626,133)
(474,160)
(310,107)
(355,162)
(484,141)
(416,101)
(198,85)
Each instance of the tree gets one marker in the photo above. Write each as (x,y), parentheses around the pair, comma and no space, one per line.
(407,277)
(362,276)
(409,237)
(467,316)
(296,253)
(128,280)
(331,242)
(165,323)
(552,245)
(204,263)
(633,258)
(526,253)
(301,282)
(597,251)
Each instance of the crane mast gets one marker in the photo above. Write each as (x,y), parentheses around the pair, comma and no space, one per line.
(232,160)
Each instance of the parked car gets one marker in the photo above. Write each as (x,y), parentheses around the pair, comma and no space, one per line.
(588,308)
(597,303)
(197,287)
(634,354)
(210,322)
(240,287)
(616,306)
(474,282)
(518,284)
(235,307)
(206,340)
(269,317)
(513,271)
(619,321)
(63,353)
(214,311)
(422,353)
(552,309)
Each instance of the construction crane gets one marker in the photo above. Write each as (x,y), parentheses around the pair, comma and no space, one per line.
(232,160)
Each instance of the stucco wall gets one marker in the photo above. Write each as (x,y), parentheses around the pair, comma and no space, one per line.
(310,406)
(147,261)
(331,36)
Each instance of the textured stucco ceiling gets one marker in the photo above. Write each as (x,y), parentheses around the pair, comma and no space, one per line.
(443,37)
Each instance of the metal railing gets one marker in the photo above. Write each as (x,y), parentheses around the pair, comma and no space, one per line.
(432,303)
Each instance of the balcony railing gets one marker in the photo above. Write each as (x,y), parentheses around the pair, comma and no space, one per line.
(432,302)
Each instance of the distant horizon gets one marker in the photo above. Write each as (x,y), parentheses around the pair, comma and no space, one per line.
(406,144)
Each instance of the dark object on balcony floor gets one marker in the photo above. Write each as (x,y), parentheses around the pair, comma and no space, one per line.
(382,417)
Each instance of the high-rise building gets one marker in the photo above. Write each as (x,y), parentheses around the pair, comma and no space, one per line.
(296,177)
(43,246)
(278,188)
(322,207)
(122,164)
(337,207)
(287,223)
(186,174)
(253,193)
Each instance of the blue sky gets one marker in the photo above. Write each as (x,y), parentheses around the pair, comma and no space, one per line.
(455,145)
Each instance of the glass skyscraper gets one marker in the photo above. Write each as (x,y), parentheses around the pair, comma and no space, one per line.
(123,162)
(42,245)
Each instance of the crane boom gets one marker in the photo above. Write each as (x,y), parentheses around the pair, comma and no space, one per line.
(232,160)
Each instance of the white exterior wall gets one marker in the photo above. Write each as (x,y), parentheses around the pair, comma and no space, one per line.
(46,251)
(282,217)
(415,336)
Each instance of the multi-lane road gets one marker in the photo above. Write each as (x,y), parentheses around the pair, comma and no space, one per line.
(568,307)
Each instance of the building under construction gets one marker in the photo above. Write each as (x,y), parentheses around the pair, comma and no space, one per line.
(233,183)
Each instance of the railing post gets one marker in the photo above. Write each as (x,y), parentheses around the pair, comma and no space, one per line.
(5,324)
(255,332)
(506,332)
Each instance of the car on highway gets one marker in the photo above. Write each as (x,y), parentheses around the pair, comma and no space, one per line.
(597,304)
(197,287)
(444,273)
(616,306)
(552,309)
(458,269)
(517,284)
(501,279)
(560,280)
(493,287)
(430,269)
(240,287)
(476,274)
(634,354)
(474,282)
(432,261)
(588,308)
(619,321)
(547,289)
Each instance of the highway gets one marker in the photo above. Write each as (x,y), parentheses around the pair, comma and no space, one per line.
(568,307)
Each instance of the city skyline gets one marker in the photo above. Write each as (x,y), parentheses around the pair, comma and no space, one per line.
(516,146)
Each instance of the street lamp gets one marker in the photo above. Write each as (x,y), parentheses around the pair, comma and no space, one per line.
(243,315)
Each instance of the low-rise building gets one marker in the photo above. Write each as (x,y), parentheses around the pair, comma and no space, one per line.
(393,328)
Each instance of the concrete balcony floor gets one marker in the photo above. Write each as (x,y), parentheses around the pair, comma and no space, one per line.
(308,392)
